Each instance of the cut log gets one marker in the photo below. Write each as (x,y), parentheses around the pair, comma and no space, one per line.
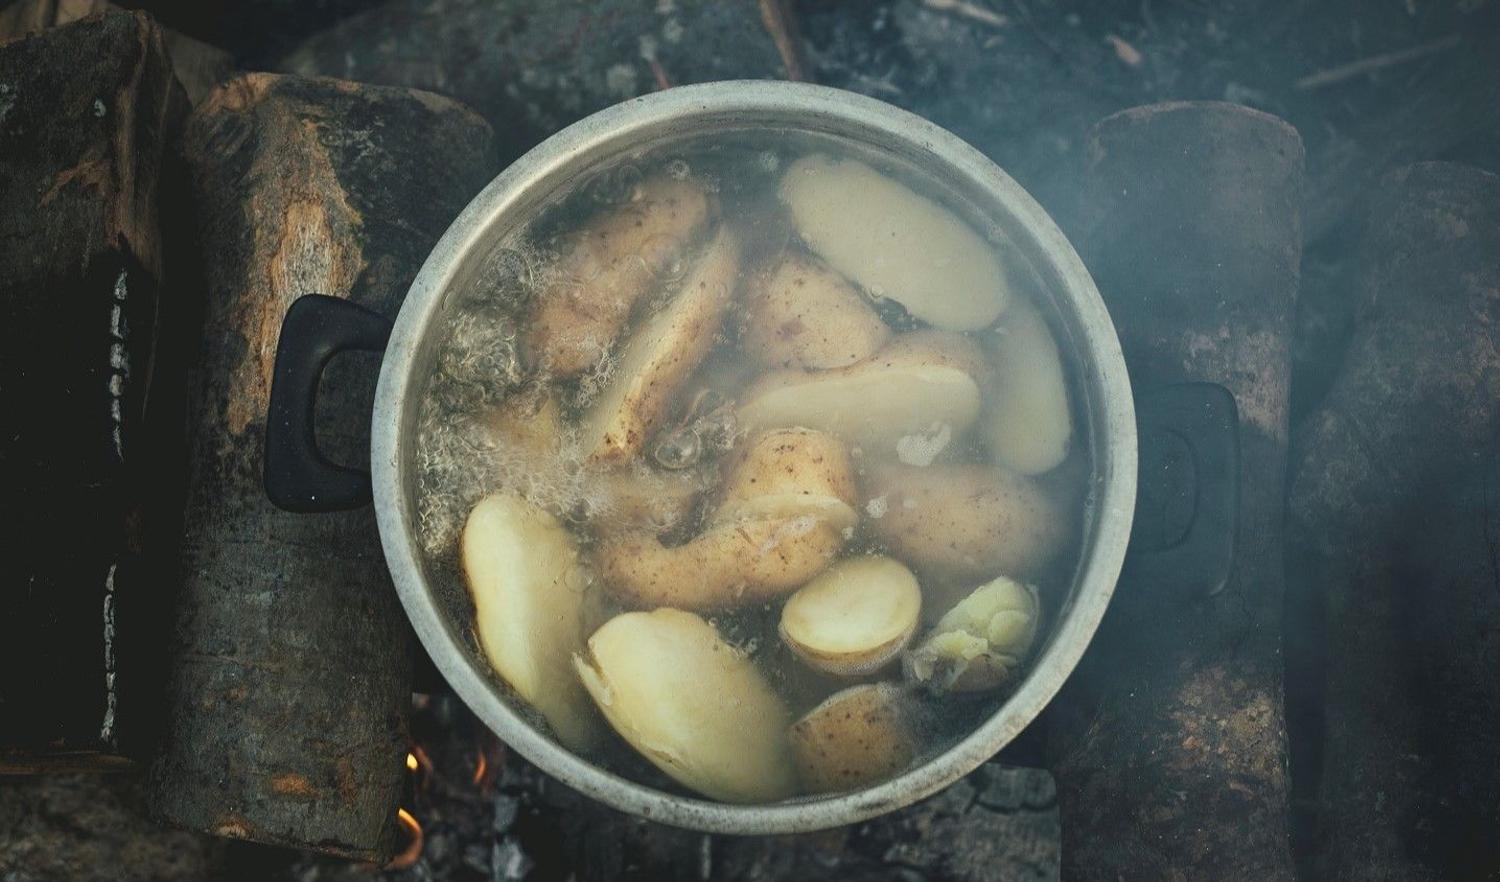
(1394,535)
(88,336)
(1168,742)
(291,667)
(198,66)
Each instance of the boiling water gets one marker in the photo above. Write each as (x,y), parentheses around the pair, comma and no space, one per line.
(498,417)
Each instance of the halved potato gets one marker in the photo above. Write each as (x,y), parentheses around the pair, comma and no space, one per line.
(691,704)
(895,243)
(965,522)
(662,355)
(786,473)
(919,381)
(1026,424)
(610,264)
(801,314)
(529,590)
(981,642)
(855,738)
(855,617)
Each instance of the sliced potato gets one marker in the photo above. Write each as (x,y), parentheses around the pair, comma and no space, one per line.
(895,243)
(728,565)
(1026,424)
(918,382)
(786,473)
(691,704)
(855,738)
(981,642)
(965,522)
(529,589)
(609,265)
(801,314)
(662,355)
(855,617)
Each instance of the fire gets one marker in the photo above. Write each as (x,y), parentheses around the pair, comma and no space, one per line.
(414,841)
(411,762)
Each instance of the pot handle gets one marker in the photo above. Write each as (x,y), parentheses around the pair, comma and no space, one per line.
(297,475)
(1188,494)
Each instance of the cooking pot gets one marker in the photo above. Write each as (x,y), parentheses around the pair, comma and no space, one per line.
(1189,430)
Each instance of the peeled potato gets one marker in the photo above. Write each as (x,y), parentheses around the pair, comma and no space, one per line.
(691,704)
(799,313)
(981,642)
(855,738)
(662,355)
(786,473)
(965,522)
(855,617)
(610,264)
(918,381)
(1026,425)
(895,243)
(528,588)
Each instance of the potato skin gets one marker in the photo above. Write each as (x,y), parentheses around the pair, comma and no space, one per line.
(966,522)
(800,313)
(609,265)
(855,738)
(786,465)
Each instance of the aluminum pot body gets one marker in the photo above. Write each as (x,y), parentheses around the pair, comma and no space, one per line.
(1108,421)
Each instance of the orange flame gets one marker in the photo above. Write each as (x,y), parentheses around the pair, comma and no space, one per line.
(411,762)
(414,841)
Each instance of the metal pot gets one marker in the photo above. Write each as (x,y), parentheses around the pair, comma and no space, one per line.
(298,478)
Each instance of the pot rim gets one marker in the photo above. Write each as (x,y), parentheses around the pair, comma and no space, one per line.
(1112,408)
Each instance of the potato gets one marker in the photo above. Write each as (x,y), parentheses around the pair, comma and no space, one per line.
(637,497)
(691,704)
(799,313)
(1026,426)
(610,263)
(728,565)
(855,738)
(895,243)
(981,642)
(855,617)
(917,383)
(528,588)
(786,473)
(661,356)
(527,424)
(965,522)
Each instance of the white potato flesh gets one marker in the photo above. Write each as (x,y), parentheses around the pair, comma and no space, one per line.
(895,243)
(855,617)
(856,737)
(911,386)
(799,313)
(982,641)
(662,355)
(691,704)
(529,593)
(1026,425)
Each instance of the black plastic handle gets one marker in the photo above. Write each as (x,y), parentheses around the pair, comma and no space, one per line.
(297,475)
(1188,495)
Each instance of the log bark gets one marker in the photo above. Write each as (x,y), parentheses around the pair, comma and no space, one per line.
(291,668)
(1393,532)
(198,66)
(1168,743)
(89,337)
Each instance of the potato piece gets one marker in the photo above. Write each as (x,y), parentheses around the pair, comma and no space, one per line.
(801,314)
(691,704)
(528,588)
(895,243)
(855,738)
(638,497)
(609,265)
(981,642)
(661,356)
(785,473)
(965,522)
(1026,424)
(917,383)
(855,617)
(527,424)
(732,564)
